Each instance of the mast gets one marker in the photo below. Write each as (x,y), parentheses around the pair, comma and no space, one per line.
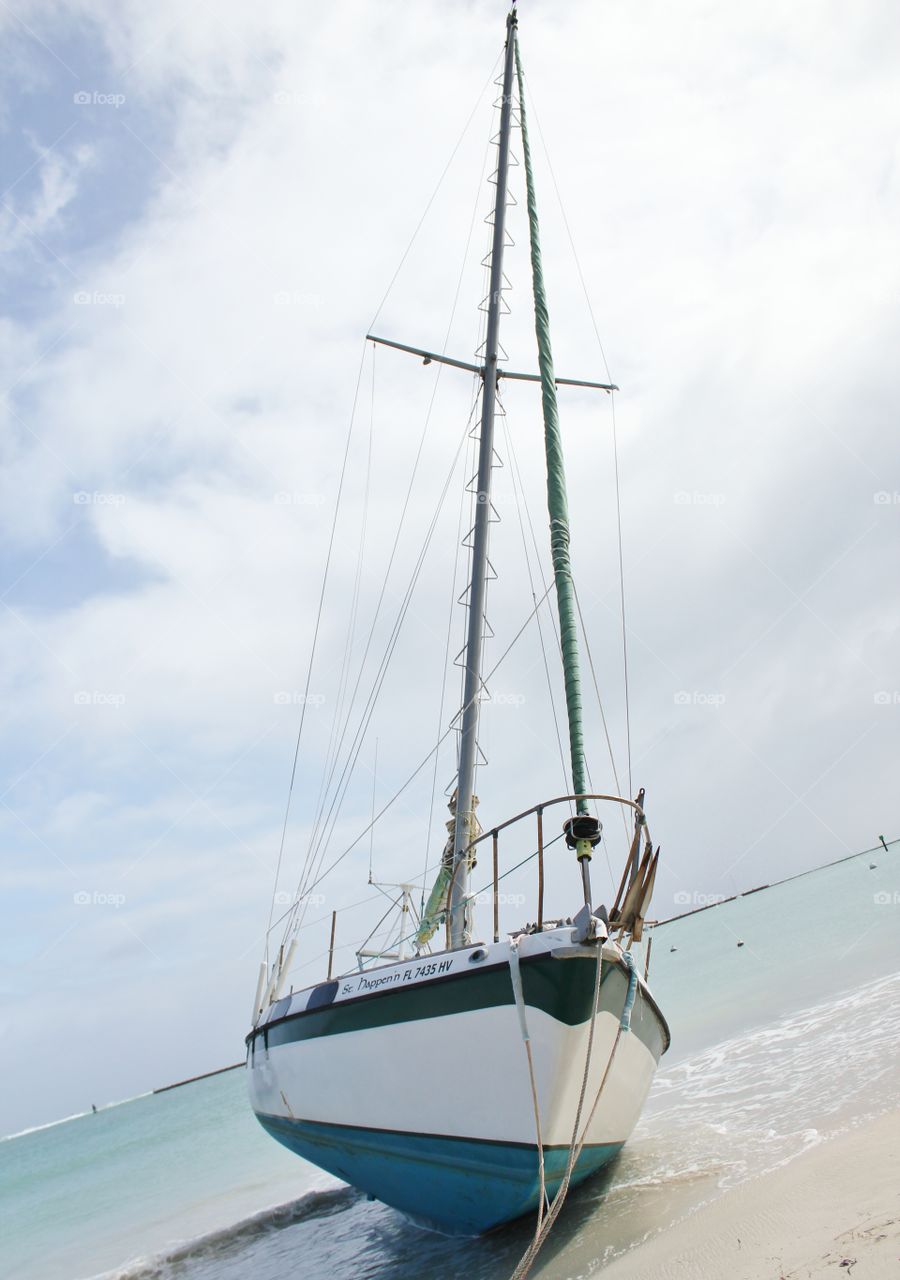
(468,743)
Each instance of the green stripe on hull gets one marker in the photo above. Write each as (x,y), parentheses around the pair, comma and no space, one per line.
(564,989)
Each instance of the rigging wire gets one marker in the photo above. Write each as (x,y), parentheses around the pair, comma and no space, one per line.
(590,658)
(317,834)
(372,832)
(488,886)
(514,472)
(315,839)
(419,767)
(322,835)
(473,482)
(312,653)
(391,283)
(359,737)
(455,577)
(622,593)
(553,623)
(405,603)
(335,739)
(445,669)
(471,488)
(434,193)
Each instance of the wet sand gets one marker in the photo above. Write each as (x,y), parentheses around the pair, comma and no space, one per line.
(832,1212)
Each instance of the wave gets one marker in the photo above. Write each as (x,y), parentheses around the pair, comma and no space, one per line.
(38,1128)
(218,1243)
(759,1099)
(78,1115)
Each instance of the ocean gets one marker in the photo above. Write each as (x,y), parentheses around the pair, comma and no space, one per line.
(778,1044)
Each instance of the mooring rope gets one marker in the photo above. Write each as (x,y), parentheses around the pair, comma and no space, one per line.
(515,974)
(545,1223)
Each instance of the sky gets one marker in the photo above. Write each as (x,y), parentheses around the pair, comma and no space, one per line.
(204,208)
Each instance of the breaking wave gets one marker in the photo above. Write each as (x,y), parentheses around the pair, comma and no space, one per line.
(224,1241)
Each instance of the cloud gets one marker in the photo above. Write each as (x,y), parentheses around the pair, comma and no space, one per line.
(58,183)
(214,249)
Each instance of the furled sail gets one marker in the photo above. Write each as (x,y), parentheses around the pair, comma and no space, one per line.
(435,912)
(557,500)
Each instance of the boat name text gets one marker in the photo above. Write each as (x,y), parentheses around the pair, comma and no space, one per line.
(433,969)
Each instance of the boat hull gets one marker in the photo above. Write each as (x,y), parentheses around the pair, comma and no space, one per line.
(455,1185)
(411,1082)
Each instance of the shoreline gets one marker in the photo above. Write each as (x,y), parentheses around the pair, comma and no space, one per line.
(205,1075)
(833,1211)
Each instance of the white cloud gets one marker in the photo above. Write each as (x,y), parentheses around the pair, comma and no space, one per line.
(730,178)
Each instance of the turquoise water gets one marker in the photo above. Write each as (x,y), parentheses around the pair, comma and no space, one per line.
(777,1044)
(820,933)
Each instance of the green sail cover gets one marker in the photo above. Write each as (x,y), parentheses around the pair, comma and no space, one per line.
(556,482)
(435,912)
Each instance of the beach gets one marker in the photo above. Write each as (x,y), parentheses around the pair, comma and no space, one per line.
(758,1154)
(833,1211)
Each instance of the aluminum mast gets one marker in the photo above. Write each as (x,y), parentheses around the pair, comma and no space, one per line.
(466,830)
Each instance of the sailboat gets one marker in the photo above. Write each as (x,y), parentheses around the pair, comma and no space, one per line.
(462,1077)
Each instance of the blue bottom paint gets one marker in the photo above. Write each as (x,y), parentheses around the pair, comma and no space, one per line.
(455,1185)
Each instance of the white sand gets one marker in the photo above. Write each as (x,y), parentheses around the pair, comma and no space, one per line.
(833,1212)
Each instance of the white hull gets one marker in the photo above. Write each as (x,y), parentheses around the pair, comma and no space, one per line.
(423,1062)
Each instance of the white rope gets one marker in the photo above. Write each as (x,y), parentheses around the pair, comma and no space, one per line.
(544,1224)
(515,974)
(575,1150)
